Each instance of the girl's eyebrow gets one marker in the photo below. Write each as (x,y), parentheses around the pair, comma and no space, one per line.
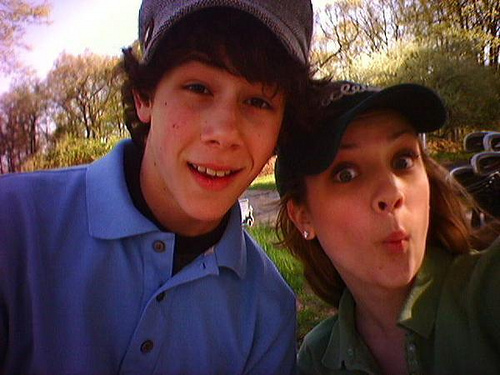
(391,137)
(399,134)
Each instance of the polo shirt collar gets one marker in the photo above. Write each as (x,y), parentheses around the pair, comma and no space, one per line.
(420,309)
(111,211)
(346,348)
(113,215)
(231,250)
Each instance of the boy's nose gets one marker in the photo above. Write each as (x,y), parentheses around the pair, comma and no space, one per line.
(222,127)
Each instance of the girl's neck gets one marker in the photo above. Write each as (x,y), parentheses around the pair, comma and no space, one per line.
(376,322)
(380,311)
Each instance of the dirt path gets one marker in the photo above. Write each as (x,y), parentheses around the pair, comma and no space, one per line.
(265,205)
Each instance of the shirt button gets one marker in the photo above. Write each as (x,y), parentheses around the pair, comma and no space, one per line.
(160,297)
(147,346)
(412,348)
(159,246)
(350,352)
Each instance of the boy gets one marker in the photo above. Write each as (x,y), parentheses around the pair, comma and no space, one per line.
(137,263)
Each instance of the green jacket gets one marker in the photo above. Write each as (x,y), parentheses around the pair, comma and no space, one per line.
(451,316)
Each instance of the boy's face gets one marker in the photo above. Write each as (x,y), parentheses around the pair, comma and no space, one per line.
(211,133)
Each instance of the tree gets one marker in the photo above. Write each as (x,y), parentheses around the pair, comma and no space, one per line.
(451,46)
(477,21)
(470,90)
(349,29)
(79,101)
(354,28)
(15,16)
(22,114)
(85,95)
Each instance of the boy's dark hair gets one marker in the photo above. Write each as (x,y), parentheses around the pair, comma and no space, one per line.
(226,38)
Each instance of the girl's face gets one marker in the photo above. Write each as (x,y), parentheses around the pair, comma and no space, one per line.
(370,208)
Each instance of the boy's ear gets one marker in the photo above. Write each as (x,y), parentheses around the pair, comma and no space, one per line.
(300,216)
(143,106)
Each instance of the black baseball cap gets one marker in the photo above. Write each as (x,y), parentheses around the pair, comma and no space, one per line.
(290,20)
(312,152)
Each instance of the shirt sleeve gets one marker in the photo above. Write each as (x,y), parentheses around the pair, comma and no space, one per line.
(3,335)
(4,239)
(485,284)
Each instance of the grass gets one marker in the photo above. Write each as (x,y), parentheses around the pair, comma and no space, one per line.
(264,183)
(452,158)
(311,310)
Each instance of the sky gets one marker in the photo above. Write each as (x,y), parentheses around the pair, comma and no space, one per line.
(100,26)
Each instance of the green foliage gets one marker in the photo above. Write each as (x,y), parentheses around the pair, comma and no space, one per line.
(71,151)
(471,91)
(451,46)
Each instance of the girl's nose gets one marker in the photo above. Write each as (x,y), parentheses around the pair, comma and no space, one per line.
(389,196)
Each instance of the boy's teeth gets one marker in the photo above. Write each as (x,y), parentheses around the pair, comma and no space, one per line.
(211,172)
(201,169)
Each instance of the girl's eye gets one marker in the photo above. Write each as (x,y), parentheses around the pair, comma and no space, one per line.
(198,88)
(259,103)
(346,174)
(405,161)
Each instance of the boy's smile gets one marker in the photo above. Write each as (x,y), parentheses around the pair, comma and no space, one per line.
(211,133)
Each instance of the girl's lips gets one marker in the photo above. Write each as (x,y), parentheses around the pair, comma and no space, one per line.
(397,237)
(397,241)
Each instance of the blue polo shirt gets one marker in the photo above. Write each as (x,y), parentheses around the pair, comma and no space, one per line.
(86,286)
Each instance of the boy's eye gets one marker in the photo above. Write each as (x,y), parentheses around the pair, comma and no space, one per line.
(346,174)
(259,103)
(198,88)
(405,161)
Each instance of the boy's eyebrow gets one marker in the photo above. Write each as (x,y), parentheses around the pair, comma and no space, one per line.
(390,137)
(204,59)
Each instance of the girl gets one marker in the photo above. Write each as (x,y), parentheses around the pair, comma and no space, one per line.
(384,238)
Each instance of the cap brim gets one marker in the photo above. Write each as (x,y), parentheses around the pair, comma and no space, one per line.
(421,106)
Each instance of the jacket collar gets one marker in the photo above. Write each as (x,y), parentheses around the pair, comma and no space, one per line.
(420,309)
